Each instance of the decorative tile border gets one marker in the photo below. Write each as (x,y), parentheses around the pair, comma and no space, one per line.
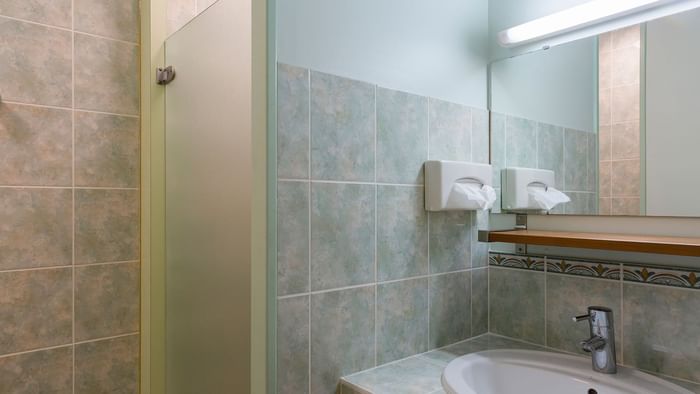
(666,276)
(534,263)
(663,276)
(584,268)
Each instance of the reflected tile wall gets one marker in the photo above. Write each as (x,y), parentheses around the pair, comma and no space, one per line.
(571,154)
(619,103)
(353,233)
(656,326)
(55,158)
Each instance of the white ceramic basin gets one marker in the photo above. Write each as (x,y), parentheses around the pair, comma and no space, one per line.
(533,372)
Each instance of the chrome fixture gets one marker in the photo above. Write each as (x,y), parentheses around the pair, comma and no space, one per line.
(165,75)
(601,344)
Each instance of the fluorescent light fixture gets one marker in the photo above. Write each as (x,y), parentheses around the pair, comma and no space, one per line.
(572,19)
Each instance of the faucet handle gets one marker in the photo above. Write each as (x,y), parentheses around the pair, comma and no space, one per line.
(581,318)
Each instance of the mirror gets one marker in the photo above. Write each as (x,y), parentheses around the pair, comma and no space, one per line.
(616,118)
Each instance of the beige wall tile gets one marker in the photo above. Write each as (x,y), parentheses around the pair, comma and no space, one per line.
(626,206)
(605,206)
(35,228)
(106,75)
(106,150)
(106,225)
(625,66)
(35,63)
(625,178)
(625,103)
(625,141)
(626,37)
(107,366)
(49,12)
(35,146)
(605,70)
(605,142)
(109,18)
(605,42)
(46,371)
(35,309)
(106,300)
(604,179)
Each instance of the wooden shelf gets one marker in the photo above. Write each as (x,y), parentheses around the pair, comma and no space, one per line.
(681,246)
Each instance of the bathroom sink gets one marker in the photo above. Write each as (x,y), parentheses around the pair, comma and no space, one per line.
(533,372)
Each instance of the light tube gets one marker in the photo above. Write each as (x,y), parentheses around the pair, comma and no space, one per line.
(571,19)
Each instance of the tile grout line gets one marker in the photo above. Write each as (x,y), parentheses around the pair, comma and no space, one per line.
(73,230)
(67,187)
(57,107)
(376,214)
(54,267)
(310,189)
(68,30)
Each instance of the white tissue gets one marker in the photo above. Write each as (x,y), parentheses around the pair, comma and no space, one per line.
(469,195)
(547,198)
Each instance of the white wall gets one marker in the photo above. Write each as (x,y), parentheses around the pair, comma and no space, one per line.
(557,86)
(432,48)
(672,121)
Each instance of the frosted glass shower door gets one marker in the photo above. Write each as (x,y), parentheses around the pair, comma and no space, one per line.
(208,203)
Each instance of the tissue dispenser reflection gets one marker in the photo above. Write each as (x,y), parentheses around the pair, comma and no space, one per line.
(457,185)
(530,189)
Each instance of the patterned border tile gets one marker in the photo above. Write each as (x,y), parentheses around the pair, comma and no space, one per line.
(535,263)
(592,269)
(666,276)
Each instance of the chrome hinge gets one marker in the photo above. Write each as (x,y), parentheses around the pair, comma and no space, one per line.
(165,75)
(521,224)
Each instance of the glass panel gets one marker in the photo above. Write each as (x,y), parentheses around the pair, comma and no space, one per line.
(208,204)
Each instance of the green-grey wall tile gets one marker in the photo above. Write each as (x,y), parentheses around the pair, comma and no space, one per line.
(516,300)
(575,160)
(450,308)
(414,375)
(35,63)
(450,241)
(107,366)
(292,237)
(661,329)
(106,150)
(521,142)
(569,296)
(498,147)
(106,300)
(480,301)
(116,66)
(402,136)
(45,371)
(342,336)
(342,128)
(479,250)
(342,235)
(402,233)
(480,136)
(106,225)
(292,122)
(35,227)
(550,148)
(581,203)
(113,19)
(450,131)
(35,146)
(49,12)
(402,319)
(293,345)
(35,309)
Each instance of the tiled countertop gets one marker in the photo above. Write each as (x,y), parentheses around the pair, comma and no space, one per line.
(420,374)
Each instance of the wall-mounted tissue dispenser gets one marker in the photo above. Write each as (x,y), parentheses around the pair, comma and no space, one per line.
(457,185)
(529,189)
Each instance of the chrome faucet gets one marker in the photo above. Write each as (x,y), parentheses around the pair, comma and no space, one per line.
(601,344)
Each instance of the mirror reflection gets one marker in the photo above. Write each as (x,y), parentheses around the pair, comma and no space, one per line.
(614,117)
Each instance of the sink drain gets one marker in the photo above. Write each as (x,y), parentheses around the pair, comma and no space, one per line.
(592,391)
